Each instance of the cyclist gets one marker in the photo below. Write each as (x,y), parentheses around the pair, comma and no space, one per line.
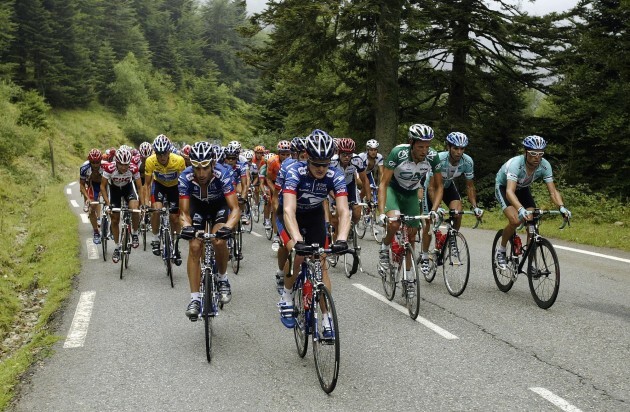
(207,195)
(122,178)
(301,222)
(351,165)
(265,190)
(90,175)
(239,170)
(161,172)
(372,160)
(454,163)
(273,167)
(513,193)
(406,167)
(185,153)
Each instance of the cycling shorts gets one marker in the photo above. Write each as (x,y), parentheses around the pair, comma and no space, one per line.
(312,224)
(94,190)
(116,193)
(404,201)
(524,195)
(213,213)
(450,193)
(162,194)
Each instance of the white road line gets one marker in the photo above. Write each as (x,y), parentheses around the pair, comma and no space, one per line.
(69,191)
(92,249)
(435,328)
(81,321)
(256,234)
(586,252)
(74,203)
(84,218)
(555,399)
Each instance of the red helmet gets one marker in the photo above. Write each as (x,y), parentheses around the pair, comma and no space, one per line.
(186,151)
(346,145)
(95,155)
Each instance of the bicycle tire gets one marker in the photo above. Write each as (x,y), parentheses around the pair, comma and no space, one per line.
(325,351)
(122,251)
(377,231)
(104,235)
(127,248)
(208,312)
(456,265)
(362,224)
(413,302)
(301,329)
(248,213)
(236,263)
(545,284)
(433,258)
(503,278)
(167,252)
(256,212)
(388,277)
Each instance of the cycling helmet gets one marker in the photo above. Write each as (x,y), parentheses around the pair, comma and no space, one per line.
(259,149)
(235,143)
(346,145)
(231,150)
(95,155)
(127,147)
(161,144)
(534,142)
(420,132)
(123,156)
(319,145)
(297,144)
(372,144)
(110,154)
(218,152)
(186,151)
(284,146)
(135,152)
(249,154)
(201,152)
(146,149)
(268,156)
(457,139)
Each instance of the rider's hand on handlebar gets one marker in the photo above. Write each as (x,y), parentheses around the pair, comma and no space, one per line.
(301,248)
(382,218)
(223,233)
(339,246)
(524,214)
(566,212)
(188,232)
(478,212)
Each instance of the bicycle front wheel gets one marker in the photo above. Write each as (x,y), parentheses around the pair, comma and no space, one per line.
(411,287)
(167,254)
(377,231)
(388,275)
(326,350)
(104,235)
(123,249)
(302,318)
(544,274)
(456,265)
(363,223)
(207,312)
(502,277)
(236,245)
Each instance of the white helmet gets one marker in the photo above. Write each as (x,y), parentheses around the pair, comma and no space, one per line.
(123,156)
(420,132)
(372,144)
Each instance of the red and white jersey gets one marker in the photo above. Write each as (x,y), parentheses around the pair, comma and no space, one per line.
(111,173)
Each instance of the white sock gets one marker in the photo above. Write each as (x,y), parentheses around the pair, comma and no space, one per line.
(280,273)
(425,256)
(325,320)
(156,238)
(287,295)
(194,296)
(501,249)
(222,277)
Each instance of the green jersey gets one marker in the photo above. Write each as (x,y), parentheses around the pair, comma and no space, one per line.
(408,175)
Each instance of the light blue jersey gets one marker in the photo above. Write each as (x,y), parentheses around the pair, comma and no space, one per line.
(514,169)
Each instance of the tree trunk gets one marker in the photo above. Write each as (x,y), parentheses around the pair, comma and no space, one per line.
(386,73)
(457,111)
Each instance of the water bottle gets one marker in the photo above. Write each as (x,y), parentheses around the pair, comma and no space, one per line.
(439,240)
(397,249)
(518,245)
(307,294)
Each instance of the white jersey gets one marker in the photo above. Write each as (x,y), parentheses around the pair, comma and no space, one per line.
(377,162)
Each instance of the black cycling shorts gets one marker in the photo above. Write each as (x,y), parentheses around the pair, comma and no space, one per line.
(213,213)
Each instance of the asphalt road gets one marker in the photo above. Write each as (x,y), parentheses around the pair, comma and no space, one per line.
(140,352)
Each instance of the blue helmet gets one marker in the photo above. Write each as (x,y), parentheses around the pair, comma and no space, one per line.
(161,144)
(420,132)
(201,151)
(457,139)
(534,142)
(319,145)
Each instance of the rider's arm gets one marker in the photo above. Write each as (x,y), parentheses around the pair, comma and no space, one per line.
(437,191)
(83,189)
(104,183)
(471,193)
(510,193)
(555,194)
(148,181)
(365,187)
(382,189)
(184,211)
(290,221)
(343,214)
(235,211)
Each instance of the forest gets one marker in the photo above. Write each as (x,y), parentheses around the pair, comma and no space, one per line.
(362,69)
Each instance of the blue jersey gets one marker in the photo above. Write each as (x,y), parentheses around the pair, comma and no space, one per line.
(311,192)
(514,169)
(219,187)
(450,172)
(283,172)
(85,171)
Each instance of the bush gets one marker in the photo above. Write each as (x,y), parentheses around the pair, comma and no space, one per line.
(33,110)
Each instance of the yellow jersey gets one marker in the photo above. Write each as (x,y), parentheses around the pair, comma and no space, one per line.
(165,175)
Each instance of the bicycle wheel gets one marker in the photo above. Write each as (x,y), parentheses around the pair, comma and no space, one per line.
(503,277)
(256,211)
(363,223)
(167,253)
(127,247)
(456,265)
(300,331)
(377,231)
(248,213)
(543,273)
(104,235)
(433,259)
(347,263)
(207,312)
(388,275)
(236,247)
(411,288)
(123,250)
(326,350)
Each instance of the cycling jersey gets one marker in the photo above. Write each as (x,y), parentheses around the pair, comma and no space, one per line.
(515,170)
(377,162)
(165,175)
(283,172)
(115,178)
(355,166)
(219,187)
(465,167)
(408,175)
(273,167)
(85,171)
(311,192)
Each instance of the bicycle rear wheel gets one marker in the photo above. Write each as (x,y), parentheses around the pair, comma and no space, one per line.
(104,235)
(207,312)
(503,277)
(544,274)
(302,318)
(363,223)
(377,231)
(388,275)
(127,247)
(326,350)
(411,287)
(248,213)
(167,253)
(456,265)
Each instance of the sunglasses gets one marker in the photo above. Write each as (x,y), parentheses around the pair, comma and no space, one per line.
(535,154)
(230,158)
(345,154)
(203,163)
(319,165)
(95,163)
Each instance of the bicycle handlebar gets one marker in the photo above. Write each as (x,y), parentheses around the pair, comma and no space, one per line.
(537,213)
(124,209)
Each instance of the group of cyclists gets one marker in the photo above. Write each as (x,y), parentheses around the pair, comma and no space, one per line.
(310,184)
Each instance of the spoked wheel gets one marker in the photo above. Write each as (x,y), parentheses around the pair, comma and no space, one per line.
(167,253)
(388,276)
(433,259)
(127,247)
(544,274)
(377,231)
(256,212)
(123,251)
(236,248)
(248,213)
(456,265)
(503,277)
(363,223)
(411,287)
(326,348)
(104,235)
(207,312)
(300,331)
